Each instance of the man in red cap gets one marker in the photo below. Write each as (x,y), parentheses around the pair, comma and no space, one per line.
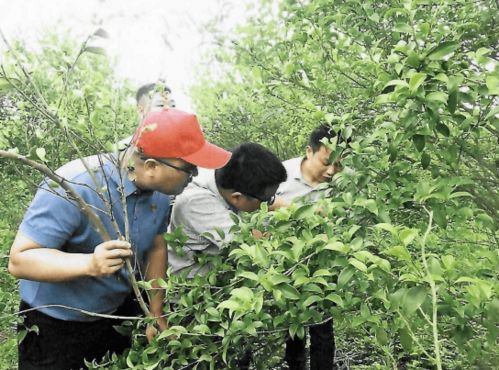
(71,280)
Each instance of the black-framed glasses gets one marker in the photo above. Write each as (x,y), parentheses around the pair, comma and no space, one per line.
(191,170)
(270,200)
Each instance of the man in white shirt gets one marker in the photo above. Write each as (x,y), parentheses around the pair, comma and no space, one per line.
(251,177)
(305,174)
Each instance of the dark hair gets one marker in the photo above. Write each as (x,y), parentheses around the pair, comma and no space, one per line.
(321,132)
(145,89)
(251,169)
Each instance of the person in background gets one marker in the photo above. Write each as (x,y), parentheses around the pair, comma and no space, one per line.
(304,175)
(151,97)
(69,274)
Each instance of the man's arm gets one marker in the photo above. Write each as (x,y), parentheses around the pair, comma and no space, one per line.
(279,202)
(157,262)
(30,260)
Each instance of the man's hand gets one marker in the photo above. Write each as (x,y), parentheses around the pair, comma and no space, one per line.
(152,330)
(257,234)
(279,202)
(109,257)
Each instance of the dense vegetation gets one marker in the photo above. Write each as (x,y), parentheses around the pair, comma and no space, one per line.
(403,253)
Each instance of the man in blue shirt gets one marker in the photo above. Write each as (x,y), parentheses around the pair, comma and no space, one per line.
(70,276)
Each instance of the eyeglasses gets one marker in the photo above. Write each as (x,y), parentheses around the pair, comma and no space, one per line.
(270,200)
(191,170)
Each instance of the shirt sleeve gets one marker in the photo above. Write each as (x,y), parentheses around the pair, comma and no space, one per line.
(165,202)
(51,219)
(203,214)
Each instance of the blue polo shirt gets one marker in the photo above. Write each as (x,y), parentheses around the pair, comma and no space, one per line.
(53,221)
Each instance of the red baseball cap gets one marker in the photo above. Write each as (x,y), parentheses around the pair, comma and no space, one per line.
(172,133)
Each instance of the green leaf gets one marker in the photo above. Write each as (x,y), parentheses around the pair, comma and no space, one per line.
(460,194)
(5,85)
(405,339)
(359,265)
(439,52)
(407,235)
(95,50)
(492,85)
(416,80)
(276,278)
(437,96)
(396,297)
(387,227)
(395,83)
(400,252)
(413,59)
(261,256)
(425,160)
(101,33)
(486,220)
(402,28)
(393,151)
(304,211)
(383,99)
(244,294)
(212,311)
(381,336)
(311,300)
(449,262)
(374,17)
(493,311)
(201,328)
(443,129)
(419,142)
(434,267)
(492,113)
(322,272)
(452,101)
(337,246)
(288,291)
(41,153)
(249,275)
(440,215)
(413,299)
(230,305)
(345,275)
(335,298)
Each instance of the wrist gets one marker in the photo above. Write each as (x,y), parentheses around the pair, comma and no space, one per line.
(89,269)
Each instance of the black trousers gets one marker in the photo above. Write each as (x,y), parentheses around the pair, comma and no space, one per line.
(63,345)
(321,349)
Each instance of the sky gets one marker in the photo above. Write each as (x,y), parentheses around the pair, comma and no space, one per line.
(148,39)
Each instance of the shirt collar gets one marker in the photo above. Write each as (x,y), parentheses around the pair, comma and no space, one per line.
(118,176)
(206,179)
(294,170)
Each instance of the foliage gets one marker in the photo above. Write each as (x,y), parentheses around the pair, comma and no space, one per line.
(62,94)
(401,255)
(414,83)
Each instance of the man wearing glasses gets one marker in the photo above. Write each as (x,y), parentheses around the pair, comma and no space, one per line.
(305,174)
(251,177)
(69,276)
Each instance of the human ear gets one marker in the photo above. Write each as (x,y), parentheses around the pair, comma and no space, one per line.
(236,196)
(150,164)
(309,152)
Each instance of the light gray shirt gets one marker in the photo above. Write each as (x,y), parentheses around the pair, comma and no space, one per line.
(200,209)
(295,186)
